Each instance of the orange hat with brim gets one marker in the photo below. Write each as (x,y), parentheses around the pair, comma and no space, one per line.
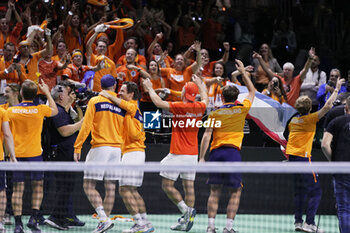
(191,90)
(98,2)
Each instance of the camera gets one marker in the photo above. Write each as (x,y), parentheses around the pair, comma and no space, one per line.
(83,95)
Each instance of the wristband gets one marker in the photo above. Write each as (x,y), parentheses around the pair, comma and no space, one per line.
(6,71)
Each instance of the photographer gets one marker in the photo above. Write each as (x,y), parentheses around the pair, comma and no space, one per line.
(275,90)
(63,132)
(325,90)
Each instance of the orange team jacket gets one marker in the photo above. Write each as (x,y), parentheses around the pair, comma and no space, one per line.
(109,68)
(113,49)
(75,73)
(12,36)
(141,60)
(133,133)
(175,80)
(105,121)
(13,76)
(129,75)
(3,118)
(232,117)
(26,122)
(73,41)
(184,134)
(301,135)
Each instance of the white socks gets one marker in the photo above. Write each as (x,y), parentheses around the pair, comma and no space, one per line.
(101,213)
(211,223)
(229,224)
(182,207)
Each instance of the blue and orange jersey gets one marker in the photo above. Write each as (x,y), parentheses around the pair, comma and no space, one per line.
(232,117)
(3,118)
(105,121)
(133,133)
(184,130)
(26,122)
(301,135)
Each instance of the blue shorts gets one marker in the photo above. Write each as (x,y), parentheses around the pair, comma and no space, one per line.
(225,154)
(20,176)
(2,180)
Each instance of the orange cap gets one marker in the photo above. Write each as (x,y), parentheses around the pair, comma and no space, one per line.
(191,90)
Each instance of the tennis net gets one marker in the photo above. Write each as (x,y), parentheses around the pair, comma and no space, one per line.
(267,202)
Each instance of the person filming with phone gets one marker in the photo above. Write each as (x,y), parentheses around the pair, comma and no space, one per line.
(275,90)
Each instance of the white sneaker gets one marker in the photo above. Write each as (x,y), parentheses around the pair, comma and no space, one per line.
(298,226)
(189,218)
(103,226)
(229,231)
(312,228)
(136,228)
(180,225)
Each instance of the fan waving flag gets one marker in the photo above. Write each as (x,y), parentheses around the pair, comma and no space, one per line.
(271,116)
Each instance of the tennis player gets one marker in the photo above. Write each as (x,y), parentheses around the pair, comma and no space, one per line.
(183,146)
(225,147)
(105,121)
(301,134)
(133,152)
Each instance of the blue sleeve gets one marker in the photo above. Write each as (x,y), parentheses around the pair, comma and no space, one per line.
(321,92)
(60,119)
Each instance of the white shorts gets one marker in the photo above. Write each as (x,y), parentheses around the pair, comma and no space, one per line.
(105,154)
(132,177)
(179,160)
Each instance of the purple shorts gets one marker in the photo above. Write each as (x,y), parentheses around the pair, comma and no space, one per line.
(2,180)
(225,154)
(20,176)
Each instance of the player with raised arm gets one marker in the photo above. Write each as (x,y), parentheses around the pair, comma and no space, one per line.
(301,134)
(26,121)
(225,147)
(133,152)
(183,146)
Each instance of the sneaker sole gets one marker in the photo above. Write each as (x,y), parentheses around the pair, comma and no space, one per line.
(190,223)
(104,230)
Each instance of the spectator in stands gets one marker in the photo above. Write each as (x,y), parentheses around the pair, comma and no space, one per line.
(335,146)
(73,34)
(26,126)
(133,151)
(30,61)
(186,32)
(132,43)
(225,146)
(261,77)
(175,78)
(337,110)
(5,34)
(9,72)
(302,131)
(131,70)
(326,89)
(155,52)
(313,80)
(75,71)
(290,84)
(63,131)
(275,90)
(94,59)
(106,128)
(183,146)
